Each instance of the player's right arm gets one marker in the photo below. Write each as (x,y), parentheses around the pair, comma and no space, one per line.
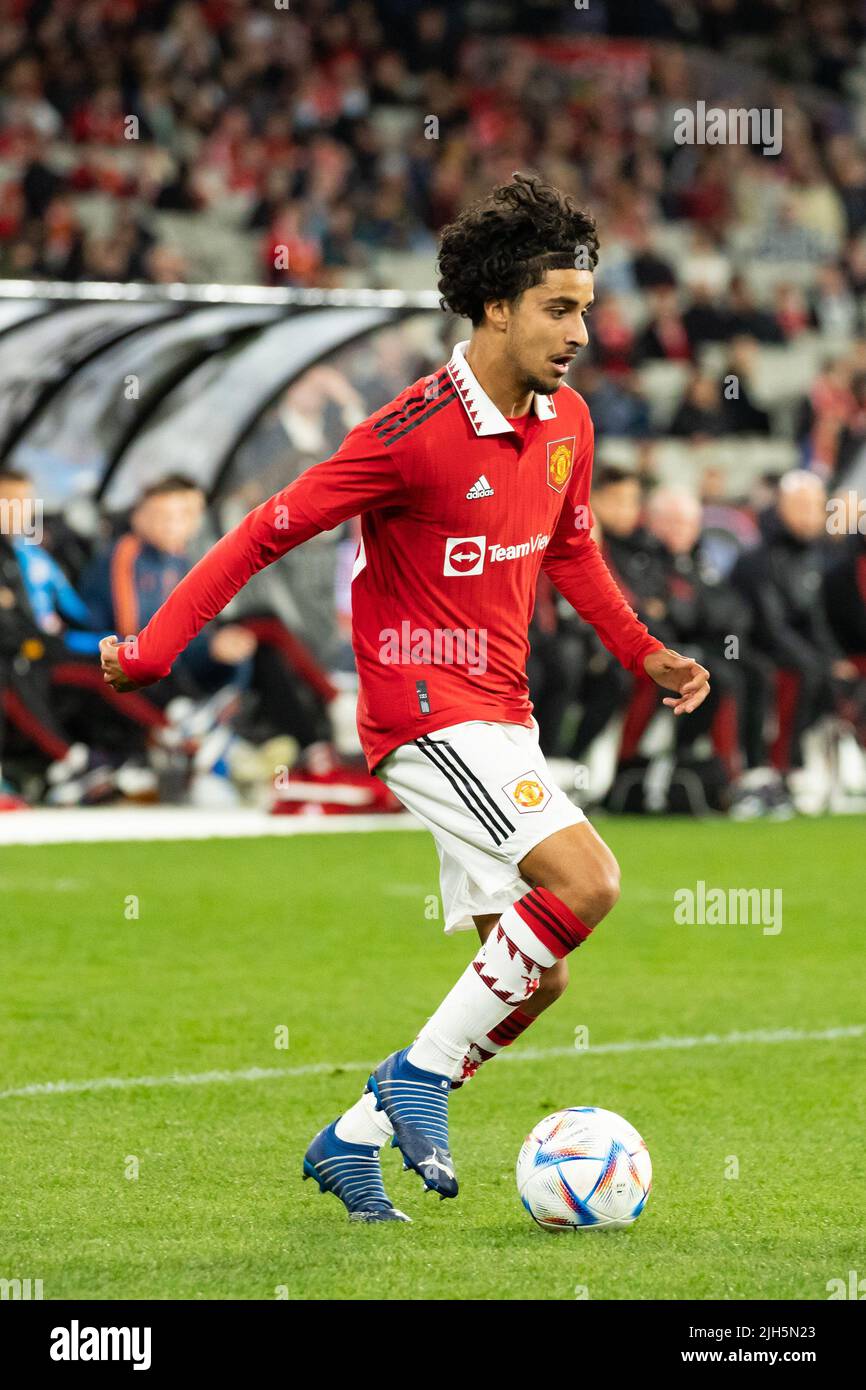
(363,474)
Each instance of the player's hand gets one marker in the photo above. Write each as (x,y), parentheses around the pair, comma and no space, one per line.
(112,671)
(674,672)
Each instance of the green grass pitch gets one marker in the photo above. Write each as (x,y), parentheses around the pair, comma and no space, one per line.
(327,937)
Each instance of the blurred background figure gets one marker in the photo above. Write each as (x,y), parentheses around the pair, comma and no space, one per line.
(782,580)
(294,148)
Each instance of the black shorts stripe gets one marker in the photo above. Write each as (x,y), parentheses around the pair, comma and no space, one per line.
(470,775)
(441,381)
(466,793)
(389,436)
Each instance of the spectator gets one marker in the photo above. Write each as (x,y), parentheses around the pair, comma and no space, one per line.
(126,584)
(746,319)
(824,416)
(703,320)
(628,550)
(665,336)
(616,404)
(835,308)
(782,580)
(612,338)
(36,601)
(739,413)
(650,270)
(709,616)
(791,311)
(845,596)
(700,414)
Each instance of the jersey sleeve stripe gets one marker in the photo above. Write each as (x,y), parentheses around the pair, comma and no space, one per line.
(389,437)
(441,380)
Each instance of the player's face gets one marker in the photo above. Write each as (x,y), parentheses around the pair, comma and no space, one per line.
(169,520)
(546,327)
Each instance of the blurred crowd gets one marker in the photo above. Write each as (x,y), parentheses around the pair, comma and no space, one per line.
(341,129)
(768,593)
(243,699)
(326,144)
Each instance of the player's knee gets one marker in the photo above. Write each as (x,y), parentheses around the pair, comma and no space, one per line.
(603,898)
(595,892)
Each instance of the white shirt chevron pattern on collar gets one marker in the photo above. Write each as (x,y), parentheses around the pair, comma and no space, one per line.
(485,416)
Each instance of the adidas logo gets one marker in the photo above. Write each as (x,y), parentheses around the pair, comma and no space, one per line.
(480,489)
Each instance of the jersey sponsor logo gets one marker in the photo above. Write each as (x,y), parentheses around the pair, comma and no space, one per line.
(528,792)
(480,489)
(464,554)
(560,458)
(516,552)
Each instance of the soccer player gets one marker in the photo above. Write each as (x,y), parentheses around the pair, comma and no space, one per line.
(468,483)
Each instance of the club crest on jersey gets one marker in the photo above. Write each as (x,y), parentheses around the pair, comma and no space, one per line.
(560,457)
(464,554)
(528,792)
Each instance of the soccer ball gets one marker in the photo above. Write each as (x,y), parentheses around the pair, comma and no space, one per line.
(583,1168)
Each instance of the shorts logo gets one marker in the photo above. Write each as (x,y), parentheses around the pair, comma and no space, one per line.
(464,554)
(528,792)
(560,456)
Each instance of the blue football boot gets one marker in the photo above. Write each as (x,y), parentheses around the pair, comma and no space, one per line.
(416,1103)
(352,1172)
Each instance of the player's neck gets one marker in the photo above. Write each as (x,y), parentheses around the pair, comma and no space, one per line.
(510,397)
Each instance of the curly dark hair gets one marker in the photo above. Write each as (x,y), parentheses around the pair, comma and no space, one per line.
(505,243)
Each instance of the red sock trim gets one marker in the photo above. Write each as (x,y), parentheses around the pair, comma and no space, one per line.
(509,1030)
(555,925)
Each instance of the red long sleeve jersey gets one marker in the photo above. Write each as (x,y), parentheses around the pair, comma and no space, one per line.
(459,512)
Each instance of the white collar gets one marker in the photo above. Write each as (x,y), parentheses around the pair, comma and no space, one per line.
(485,416)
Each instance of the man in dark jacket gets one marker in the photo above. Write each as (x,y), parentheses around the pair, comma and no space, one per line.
(783,581)
(845,593)
(706,610)
(605,688)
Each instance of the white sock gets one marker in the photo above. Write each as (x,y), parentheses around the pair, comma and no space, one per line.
(503,975)
(364,1124)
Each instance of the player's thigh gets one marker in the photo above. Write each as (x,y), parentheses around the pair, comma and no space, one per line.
(576,865)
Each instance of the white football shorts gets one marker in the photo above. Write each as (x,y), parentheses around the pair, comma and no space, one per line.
(484,791)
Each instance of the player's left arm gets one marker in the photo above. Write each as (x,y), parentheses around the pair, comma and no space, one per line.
(575,565)
(363,474)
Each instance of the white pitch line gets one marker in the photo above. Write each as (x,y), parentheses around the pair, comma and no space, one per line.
(526,1054)
(103,824)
